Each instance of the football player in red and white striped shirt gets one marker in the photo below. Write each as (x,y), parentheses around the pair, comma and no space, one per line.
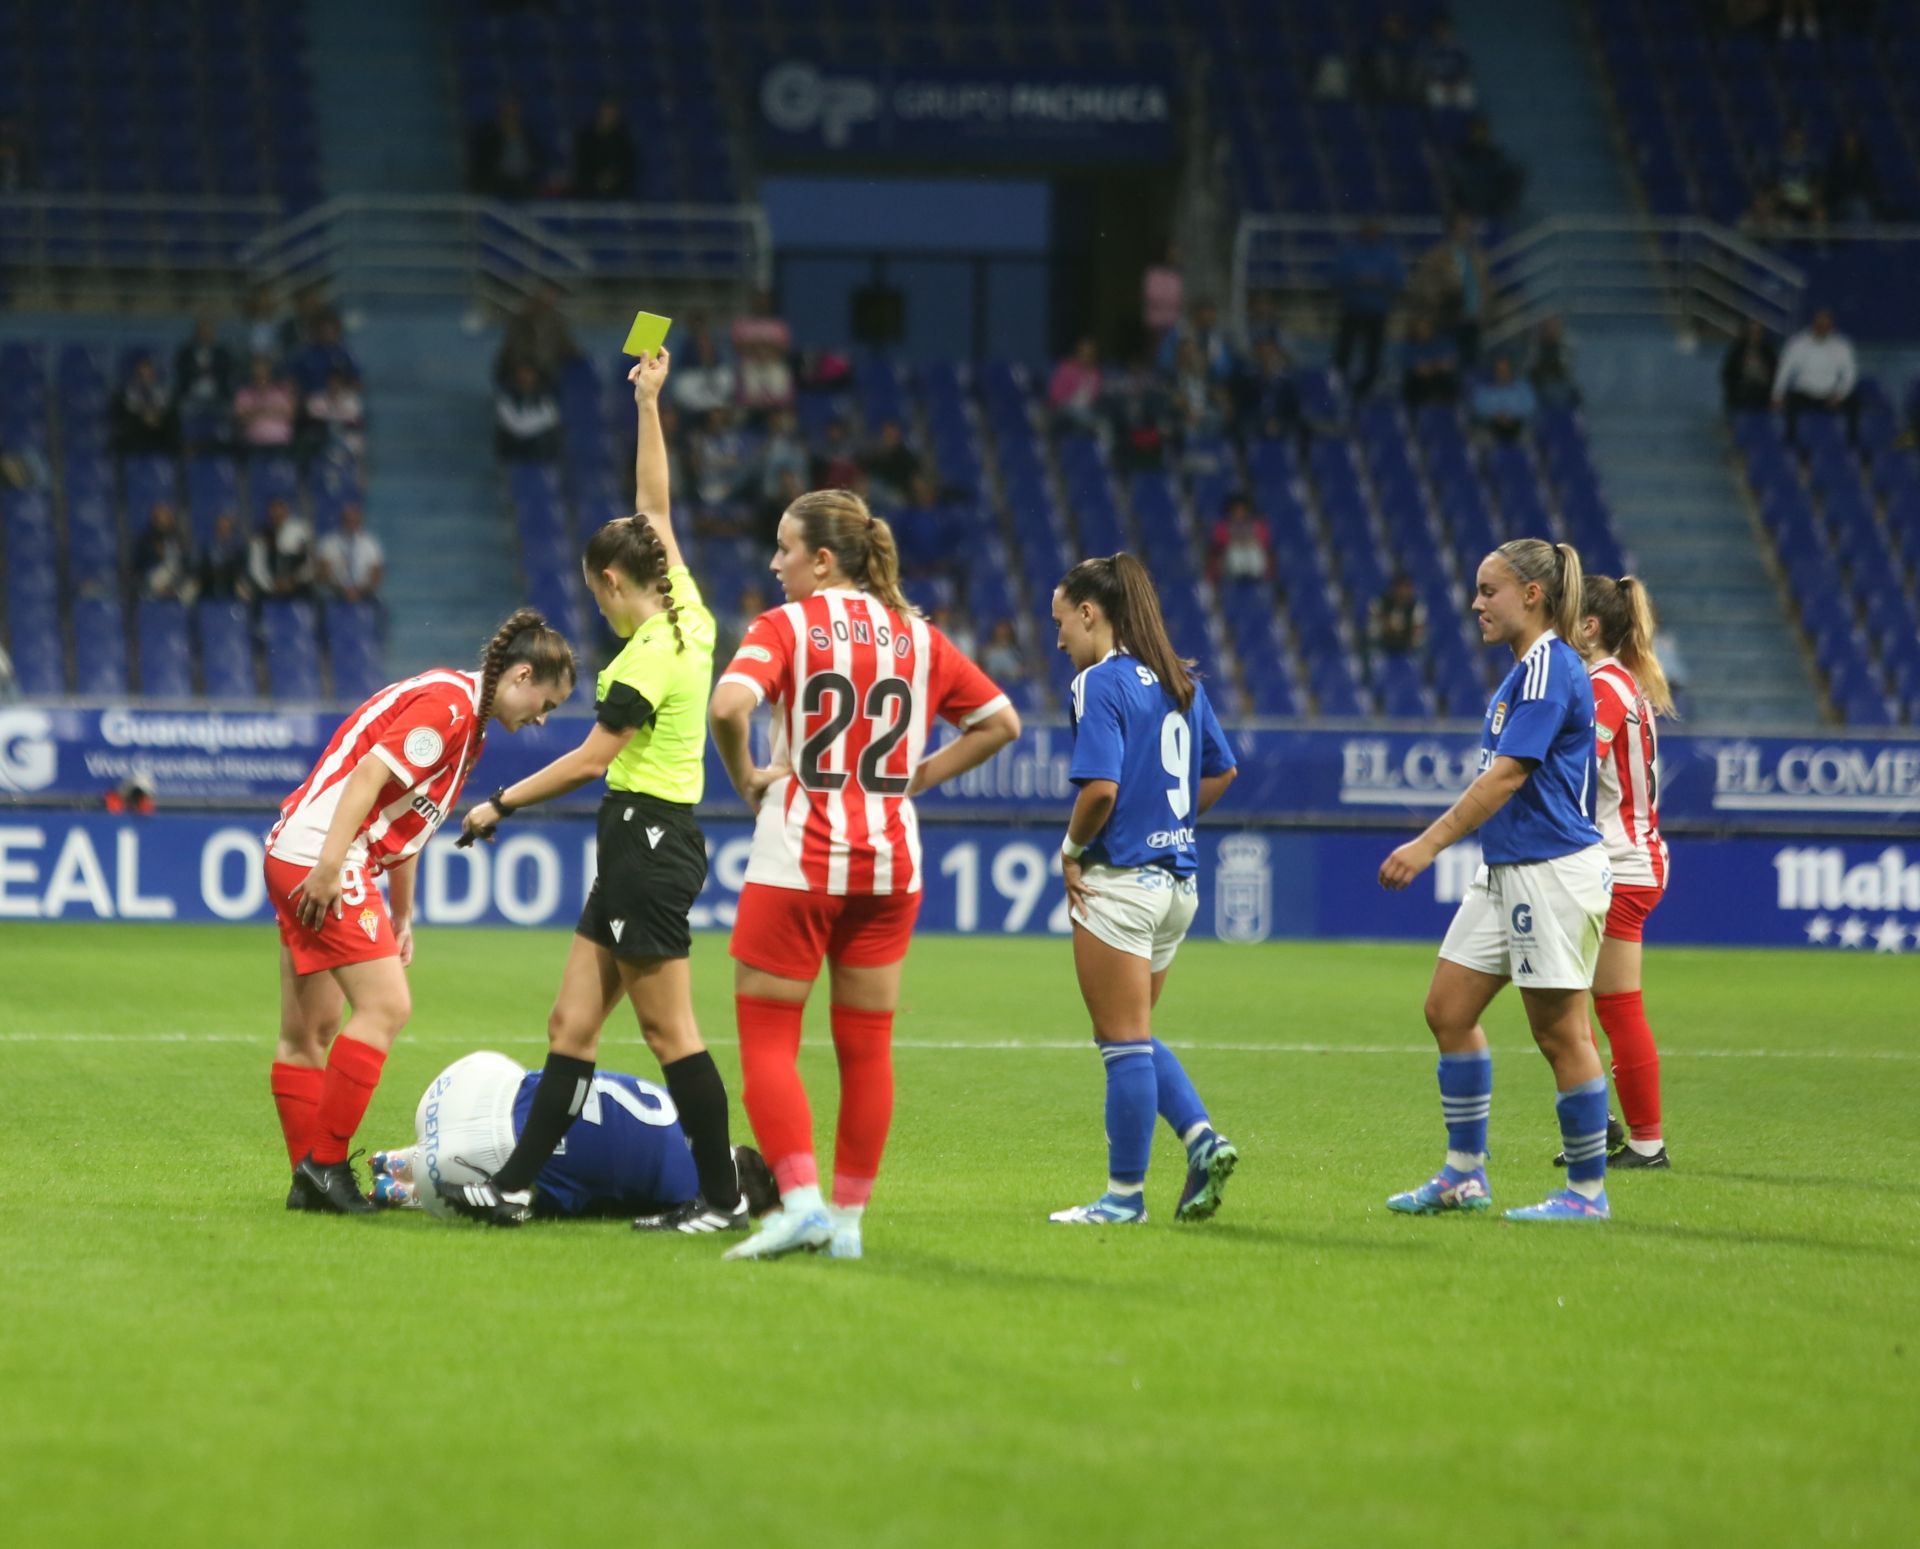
(390,775)
(1630,692)
(856,678)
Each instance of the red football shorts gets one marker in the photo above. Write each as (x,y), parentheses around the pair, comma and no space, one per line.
(360,933)
(1627,915)
(784,931)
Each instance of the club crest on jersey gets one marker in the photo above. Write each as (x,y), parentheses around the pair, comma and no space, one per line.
(423,747)
(370,923)
(1499,716)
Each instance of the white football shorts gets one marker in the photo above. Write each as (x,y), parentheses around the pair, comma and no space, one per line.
(1538,924)
(1144,910)
(463,1128)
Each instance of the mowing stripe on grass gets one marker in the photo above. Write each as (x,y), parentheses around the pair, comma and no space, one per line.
(1015,1045)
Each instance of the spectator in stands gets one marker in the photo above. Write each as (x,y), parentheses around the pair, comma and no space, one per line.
(1262,322)
(504,160)
(144,422)
(323,353)
(335,422)
(1141,413)
(605,164)
(263,323)
(1267,398)
(225,570)
(1430,366)
(1162,297)
(1389,62)
(1550,369)
(703,380)
(760,324)
(263,410)
(1397,619)
(352,562)
(1453,287)
(1796,179)
(1073,391)
(1747,372)
(891,465)
(957,630)
(162,563)
(1368,277)
(1818,374)
(526,420)
(536,335)
(1850,191)
(280,563)
(789,487)
(1202,406)
(722,456)
(1446,73)
(1483,179)
(1240,547)
(1760,221)
(782,453)
(1001,657)
(1203,330)
(1504,405)
(16,174)
(834,465)
(203,380)
(766,380)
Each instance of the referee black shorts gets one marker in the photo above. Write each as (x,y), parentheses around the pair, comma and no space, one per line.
(652,864)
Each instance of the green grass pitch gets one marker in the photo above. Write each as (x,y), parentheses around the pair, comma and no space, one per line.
(1733,1360)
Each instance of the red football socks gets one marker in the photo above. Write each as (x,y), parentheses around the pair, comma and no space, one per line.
(353,1071)
(1636,1062)
(863,1043)
(770,1088)
(296,1093)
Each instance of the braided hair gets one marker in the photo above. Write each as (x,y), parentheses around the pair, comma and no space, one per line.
(630,545)
(523,638)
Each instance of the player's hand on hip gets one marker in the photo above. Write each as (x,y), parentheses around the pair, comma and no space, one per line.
(1399,869)
(650,375)
(1078,893)
(317,895)
(761,781)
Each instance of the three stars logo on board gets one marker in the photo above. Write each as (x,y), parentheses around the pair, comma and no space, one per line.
(1890,935)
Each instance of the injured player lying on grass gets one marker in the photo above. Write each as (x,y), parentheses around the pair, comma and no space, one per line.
(626,1156)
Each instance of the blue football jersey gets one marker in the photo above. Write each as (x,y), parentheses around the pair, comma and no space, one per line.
(626,1150)
(1128,729)
(1542,712)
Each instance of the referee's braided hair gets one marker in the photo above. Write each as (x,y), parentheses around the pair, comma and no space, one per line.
(1121,587)
(630,545)
(524,637)
(1555,569)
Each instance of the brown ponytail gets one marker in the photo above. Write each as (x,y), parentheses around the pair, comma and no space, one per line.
(861,543)
(1555,568)
(630,545)
(1625,614)
(524,637)
(1119,583)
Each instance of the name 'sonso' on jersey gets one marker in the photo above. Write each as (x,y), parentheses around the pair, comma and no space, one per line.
(881,635)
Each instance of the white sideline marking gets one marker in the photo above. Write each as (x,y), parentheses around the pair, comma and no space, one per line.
(1018,1045)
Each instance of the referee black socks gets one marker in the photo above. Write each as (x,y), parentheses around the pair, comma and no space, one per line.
(557,1101)
(694,1083)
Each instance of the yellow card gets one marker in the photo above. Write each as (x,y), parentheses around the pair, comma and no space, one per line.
(648,333)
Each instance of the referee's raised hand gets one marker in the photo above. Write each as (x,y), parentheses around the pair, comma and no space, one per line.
(650,375)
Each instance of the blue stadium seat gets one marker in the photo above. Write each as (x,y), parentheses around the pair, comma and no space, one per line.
(225,633)
(99,646)
(166,657)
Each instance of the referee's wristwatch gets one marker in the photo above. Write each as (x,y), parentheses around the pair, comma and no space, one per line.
(498,801)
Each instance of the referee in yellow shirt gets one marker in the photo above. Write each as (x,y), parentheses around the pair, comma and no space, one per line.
(649,740)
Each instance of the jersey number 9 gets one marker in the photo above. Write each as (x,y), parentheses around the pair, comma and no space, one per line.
(1176,756)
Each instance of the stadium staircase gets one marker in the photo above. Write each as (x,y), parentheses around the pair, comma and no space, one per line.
(383,86)
(1653,414)
(432,494)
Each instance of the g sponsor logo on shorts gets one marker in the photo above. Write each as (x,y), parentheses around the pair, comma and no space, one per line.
(1523,919)
(423,747)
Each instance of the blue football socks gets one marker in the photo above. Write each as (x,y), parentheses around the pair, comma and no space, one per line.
(1583,1135)
(1466,1099)
(1132,1104)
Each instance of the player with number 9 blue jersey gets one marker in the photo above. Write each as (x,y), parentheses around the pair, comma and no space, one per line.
(1128,729)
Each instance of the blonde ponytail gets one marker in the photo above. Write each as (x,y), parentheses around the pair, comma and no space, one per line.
(1627,622)
(861,543)
(1555,569)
